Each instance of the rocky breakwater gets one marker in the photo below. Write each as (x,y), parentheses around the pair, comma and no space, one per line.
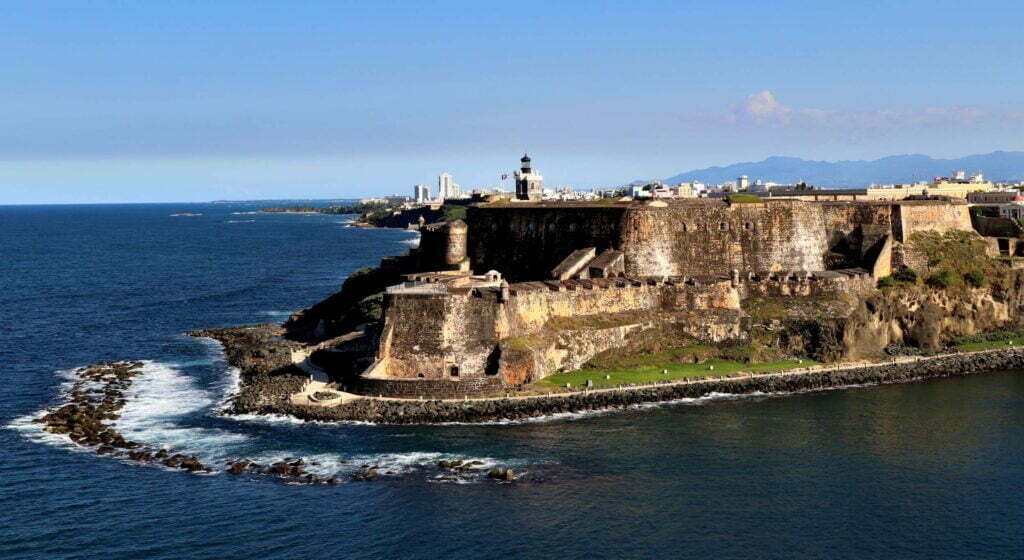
(96,397)
(88,418)
(386,411)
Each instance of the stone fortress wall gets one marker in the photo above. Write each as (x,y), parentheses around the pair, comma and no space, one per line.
(690,264)
(694,238)
(438,332)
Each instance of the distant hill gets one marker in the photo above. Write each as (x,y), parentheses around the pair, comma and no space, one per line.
(997,166)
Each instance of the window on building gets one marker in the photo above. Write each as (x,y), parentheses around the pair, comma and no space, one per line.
(453,371)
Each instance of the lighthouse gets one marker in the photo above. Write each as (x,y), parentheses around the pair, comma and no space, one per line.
(529,184)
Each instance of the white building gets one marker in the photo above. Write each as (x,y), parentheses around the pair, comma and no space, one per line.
(447,187)
(421,193)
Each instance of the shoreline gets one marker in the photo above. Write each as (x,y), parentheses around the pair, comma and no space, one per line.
(262,397)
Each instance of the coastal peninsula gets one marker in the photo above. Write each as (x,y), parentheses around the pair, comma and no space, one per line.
(526,307)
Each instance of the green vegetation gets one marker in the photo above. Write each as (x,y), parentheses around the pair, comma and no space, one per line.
(742,198)
(645,362)
(987,211)
(522,343)
(902,277)
(349,209)
(452,213)
(957,251)
(989,340)
(642,374)
(942,279)
(906,275)
(370,309)
(975,277)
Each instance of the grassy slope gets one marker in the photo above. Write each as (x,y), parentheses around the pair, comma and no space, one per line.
(651,373)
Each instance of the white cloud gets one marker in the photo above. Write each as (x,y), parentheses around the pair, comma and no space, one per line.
(762,106)
(762,109)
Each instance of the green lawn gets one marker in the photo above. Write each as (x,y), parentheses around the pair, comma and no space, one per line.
(652,373)
(989,344)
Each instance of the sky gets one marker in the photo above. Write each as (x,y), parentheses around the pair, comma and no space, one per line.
(197,101)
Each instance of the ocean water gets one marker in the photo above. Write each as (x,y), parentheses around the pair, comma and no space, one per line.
(927,470)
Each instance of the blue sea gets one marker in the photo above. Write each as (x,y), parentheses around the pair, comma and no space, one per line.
(926,470)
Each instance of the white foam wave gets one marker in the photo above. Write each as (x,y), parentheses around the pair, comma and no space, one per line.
(413,241)
(156,402)
(274,313)
(240,221)
(388,464)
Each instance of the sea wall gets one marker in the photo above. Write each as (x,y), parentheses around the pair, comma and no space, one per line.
(434,411)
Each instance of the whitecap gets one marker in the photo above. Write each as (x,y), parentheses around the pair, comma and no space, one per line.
(157,401)
(413,241)
(274,313)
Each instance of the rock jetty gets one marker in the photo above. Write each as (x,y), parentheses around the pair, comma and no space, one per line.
(93,404)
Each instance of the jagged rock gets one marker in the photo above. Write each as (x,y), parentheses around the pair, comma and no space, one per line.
(192,465)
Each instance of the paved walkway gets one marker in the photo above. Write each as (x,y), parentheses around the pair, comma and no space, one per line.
(305,396)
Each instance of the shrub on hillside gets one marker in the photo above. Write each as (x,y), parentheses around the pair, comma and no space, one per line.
(887,282)
(906,275)
(942,279)
(975,278)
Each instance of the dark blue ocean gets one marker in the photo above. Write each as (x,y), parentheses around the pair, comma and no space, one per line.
(927,470)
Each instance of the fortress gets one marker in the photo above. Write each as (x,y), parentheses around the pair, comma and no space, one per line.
(559,283)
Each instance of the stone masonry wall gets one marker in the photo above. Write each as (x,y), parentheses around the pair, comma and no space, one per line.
(917,216)
(426,335)
(697,238)
(527,241)
(702,239)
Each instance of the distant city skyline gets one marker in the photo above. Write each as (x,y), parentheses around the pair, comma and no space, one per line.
(114,102)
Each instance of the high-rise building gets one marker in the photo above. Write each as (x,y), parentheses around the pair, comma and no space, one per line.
(445,184)
(421,193)
(529,185)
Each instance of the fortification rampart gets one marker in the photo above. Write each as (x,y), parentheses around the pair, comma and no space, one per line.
(441,333)
(707,237)
(526,241)
(926,215)
(718,238)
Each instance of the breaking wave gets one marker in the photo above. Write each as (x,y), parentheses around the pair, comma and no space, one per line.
(167,409)
(159,405)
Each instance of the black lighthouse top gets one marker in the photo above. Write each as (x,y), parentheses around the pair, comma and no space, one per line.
(525,160)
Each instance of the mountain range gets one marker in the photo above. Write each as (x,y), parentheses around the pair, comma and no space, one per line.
(997,166)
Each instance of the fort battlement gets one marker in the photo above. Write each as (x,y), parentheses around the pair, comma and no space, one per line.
(581,278)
